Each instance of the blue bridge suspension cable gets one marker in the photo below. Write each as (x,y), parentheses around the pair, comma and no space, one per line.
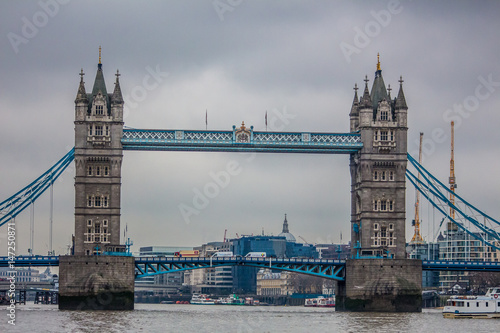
(14,205)
(440,192)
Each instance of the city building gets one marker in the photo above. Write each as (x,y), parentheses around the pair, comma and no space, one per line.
(459,245)
(22,274)
(334,251)
(161,283)
(426,251)
(215,280)
(274,283)
(281,246)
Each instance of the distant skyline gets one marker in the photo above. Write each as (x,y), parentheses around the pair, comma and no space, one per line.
(213,64)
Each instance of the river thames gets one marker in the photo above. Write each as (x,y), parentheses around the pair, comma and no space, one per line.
(206,318)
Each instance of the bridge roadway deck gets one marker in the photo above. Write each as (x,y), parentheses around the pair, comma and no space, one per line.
(230,141)
(333,269)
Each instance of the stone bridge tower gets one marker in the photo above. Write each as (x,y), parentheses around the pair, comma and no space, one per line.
(378,202)
(89,280)
(98,160)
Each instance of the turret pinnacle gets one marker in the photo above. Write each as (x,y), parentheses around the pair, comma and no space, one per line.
(355,102)
(366,101)
(117,93)
(81,95)
(401,100)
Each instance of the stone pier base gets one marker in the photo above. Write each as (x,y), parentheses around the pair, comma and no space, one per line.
(381,285)
(96,283)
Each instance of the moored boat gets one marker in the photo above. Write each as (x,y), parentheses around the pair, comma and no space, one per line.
(487,306)
(320,301)
(201,299)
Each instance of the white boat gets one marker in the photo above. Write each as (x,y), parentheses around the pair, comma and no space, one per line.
(487,306)
(320,301)
(201,299)
(311,302)
(326,302)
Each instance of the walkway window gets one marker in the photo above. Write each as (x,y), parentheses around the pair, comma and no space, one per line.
(384,115)
(99,110)
(98,130)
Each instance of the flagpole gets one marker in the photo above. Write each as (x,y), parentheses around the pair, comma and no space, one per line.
(266,120)
(206,120)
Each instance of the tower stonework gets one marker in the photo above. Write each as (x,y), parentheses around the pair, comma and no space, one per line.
(98,160)
(95,277)
(379,277)
(378,203)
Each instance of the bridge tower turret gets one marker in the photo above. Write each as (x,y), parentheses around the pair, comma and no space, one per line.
(378,203)
(98,159)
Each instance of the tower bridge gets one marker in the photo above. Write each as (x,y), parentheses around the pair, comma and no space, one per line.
(376,144)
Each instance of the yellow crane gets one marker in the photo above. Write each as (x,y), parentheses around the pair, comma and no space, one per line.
(453,185)
(417,237)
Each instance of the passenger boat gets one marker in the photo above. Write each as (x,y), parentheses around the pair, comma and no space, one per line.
(326,302)
(320,301)
(201,299)
(487,306)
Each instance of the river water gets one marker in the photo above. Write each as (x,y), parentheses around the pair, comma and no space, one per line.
(209,318)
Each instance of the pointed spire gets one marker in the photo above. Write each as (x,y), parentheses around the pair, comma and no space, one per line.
(117,93)
(389,91)
(401,100)
(81,95)
(378,92)
(285,226)
(366,101)
(99,84)
(355,102)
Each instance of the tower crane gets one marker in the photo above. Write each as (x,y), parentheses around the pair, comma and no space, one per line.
(417,237)
(453,185)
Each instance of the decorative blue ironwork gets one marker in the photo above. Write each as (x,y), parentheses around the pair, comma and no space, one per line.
(241,140)
(14,205)
(331,269)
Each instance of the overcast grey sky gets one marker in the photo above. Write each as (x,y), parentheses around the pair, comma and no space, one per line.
(238,59)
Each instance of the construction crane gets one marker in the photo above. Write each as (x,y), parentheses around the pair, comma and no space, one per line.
(453,185)
(225,233)
(304,240)
(417,237)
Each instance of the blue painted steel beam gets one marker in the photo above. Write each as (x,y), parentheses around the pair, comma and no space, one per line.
(333,269)
(231,141)
(443,265)
(25,261)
